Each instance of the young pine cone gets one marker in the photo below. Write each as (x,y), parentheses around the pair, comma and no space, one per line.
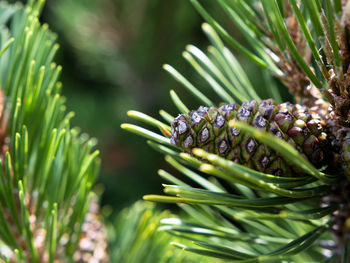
(207,128)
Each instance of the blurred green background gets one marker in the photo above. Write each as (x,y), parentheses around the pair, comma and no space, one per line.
(112,52)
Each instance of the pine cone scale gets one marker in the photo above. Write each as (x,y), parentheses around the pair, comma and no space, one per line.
(207,128)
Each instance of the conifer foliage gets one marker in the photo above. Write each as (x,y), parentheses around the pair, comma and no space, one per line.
(47,168)
(237,210)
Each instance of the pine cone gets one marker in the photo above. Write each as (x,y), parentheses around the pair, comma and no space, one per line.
(207,128)
(93,242)
(339,136)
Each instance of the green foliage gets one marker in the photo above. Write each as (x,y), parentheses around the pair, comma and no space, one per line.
(47,167)
(134,237)
(243,215)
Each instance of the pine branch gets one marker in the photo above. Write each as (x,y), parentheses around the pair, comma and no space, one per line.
(134,237)
(47,168)
(245,211)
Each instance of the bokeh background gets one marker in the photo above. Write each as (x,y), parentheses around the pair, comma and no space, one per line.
(112,52)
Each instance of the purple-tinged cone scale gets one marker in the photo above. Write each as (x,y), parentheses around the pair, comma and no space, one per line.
(207,128)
